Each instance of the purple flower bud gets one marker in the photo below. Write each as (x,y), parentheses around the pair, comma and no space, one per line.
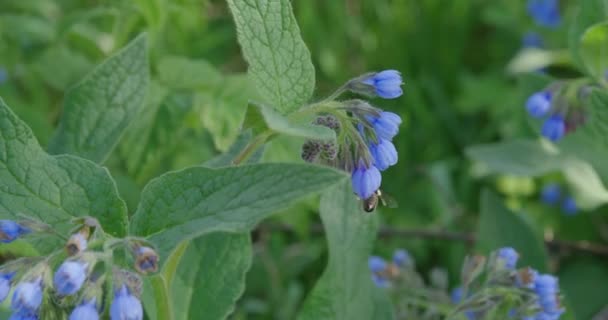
(125,306)
(551,194)
(27,297)
(386,125)
(85,311)
(310,151)
(146,260)
(69,277)
(545,12)
(384,154)
(554,128)
(402,258)
(509,256)
(539,104)
(569,206)
(456,295)
(387,83)
(365,180)
(376,264)
(11,230)
(5,284)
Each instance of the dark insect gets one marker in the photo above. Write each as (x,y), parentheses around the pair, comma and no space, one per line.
(370,204)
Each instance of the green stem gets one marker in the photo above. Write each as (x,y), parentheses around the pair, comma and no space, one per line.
(257,142)
(161,297)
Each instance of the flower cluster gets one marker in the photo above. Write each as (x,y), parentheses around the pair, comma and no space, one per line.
(384,272)
(86,269)
(364,133)
(552,194)
(560,105)
(545,12)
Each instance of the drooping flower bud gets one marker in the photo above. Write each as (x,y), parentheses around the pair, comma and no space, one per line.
(125,306)
(385,84)
(5,284)
(11,230)
(146,260)
(27,297)
(402,258)
(508,256)
(69,277)
(386,124)
(383,153)
(551,194)
(85,311)
(545,12)
(569,206)
(554,128)
(365,180)
(539,104)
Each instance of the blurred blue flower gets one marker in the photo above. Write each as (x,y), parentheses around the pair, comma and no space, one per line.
(3,75)
(539,104)
(551,194)
(383,153)
(69,277)
(545,12)
(11,230)
(554,128)
(27,297)
(509,256)
(387,83)
(386,125)
(85,311)
(24,315)
(5,284)
(402,258)
(376,264)
(125,306)
(532,39)
(365,180)
(380,281)
(569,206)
(547,289)
(526,278)
(456,295)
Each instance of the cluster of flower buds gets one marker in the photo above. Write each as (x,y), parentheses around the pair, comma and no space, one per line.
(552,194)
(364,133)
(561,106)
(86,270)
(384,273)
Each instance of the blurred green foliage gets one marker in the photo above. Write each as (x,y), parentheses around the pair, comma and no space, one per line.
(454,56)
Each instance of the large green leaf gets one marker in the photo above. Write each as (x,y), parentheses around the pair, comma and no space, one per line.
(581,282)
(211,276)
(500,227)
(53,189)
(185,204)
(98,110)
(589,12)
(183,73)
(279,62)
(345,290)
(594,50)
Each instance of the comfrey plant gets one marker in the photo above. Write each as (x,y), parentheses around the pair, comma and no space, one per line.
(89,266)
(490,288)
(364,133)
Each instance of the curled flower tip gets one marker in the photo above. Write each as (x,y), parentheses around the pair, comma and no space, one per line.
(376,264)
(539,104)
(11,230)
(551,194)
(310,151)
(554,128)
(69,277)
(5,284)
(386,84)
(402,258)
(27,297)
(383,153)
(386,124)
(545,12)
(329,151)
(328,121)
(509,257)
(76,244)
(569,206)
(365,180)
(146,260)
(125,306)
(85,311)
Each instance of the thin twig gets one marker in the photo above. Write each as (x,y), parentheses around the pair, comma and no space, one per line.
(469,238)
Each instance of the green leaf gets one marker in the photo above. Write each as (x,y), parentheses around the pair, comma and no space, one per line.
(580,282)
(98,110)
(589,13)
(500,227)
(211,276)
(279,62)
(53,189)
(594,50)
(61,67)
(183,73)
(261,118)
(185,204)
(345,290)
